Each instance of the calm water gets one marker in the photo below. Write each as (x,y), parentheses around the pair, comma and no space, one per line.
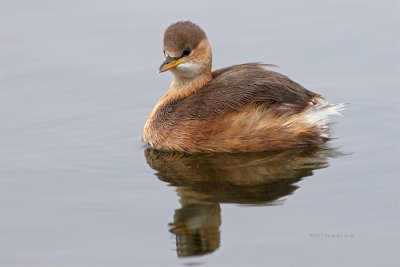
(78,188)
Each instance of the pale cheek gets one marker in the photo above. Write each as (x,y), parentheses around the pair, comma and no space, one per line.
(188,69)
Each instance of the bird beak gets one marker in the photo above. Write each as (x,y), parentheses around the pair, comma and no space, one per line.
(169,63)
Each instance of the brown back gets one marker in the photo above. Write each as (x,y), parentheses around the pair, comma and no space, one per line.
(235,87)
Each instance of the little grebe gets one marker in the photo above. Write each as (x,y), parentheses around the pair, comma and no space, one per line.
(238,108)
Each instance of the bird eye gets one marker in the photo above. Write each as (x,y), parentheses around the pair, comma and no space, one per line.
(186,52)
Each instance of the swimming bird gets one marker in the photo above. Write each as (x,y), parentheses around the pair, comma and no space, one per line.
(240,108)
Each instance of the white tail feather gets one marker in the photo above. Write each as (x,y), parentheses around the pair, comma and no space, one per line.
(317,114)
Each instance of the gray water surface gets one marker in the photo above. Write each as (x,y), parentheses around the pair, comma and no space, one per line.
(78,187)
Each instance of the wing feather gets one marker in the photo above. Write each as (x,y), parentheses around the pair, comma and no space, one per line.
(240,85)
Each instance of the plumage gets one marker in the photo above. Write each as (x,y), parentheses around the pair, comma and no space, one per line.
(243,107)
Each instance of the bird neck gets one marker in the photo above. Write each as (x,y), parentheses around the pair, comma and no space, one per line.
(184,86)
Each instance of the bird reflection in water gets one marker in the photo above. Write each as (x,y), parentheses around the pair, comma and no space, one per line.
(203,181)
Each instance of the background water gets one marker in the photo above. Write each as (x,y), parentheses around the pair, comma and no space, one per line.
(78,188)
